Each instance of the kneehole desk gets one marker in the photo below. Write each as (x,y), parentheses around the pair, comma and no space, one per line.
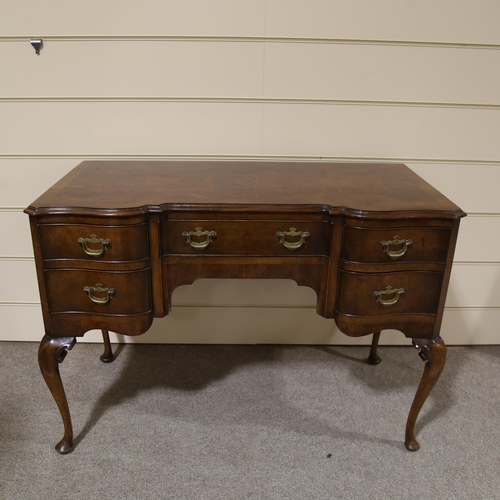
(113,239)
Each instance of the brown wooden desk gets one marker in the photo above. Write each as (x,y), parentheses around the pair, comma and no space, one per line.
(113,239)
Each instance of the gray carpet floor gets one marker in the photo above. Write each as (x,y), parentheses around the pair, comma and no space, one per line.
(250,422)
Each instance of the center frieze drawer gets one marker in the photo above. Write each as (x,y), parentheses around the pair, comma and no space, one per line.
(94,242)
(246,237)
(101,292)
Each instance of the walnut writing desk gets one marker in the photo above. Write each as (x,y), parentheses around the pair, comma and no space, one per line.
(113,239)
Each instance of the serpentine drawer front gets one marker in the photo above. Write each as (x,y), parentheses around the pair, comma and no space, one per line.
(403,244)
(380,294)
(99,292)
(93,242)
(97,272)
(113,239)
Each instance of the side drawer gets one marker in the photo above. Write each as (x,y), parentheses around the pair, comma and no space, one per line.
(85,291)
(367,294)
(93,242)
(245,237)
(386,245)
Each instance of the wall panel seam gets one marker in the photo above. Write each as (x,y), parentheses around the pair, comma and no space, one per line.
(466,308)
(476,263)
(483,214)
(253,39)
(13,258)
(19,304)
(230,157)
(251,100)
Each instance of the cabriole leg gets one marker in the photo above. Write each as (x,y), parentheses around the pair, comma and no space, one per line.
(107,356)
(52,351)
(374,358)
(433,353)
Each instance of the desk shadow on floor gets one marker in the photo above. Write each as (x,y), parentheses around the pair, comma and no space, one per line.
(295,389)
(401,369)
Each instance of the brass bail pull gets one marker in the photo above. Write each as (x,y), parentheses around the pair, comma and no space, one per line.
(94,240)
(394,294)
(90,290)
(199,245)
(396,241)
(292,233)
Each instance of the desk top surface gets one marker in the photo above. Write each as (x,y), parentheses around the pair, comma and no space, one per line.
(125,187)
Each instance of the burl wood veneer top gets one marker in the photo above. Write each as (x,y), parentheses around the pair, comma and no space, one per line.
(138,186)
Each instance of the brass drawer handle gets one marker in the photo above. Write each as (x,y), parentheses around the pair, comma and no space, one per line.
(292,245)
(94,240)
(397,292)
(199,245)
(396,254)
(89,290)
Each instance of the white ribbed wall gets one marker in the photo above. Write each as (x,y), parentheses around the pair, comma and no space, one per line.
(407,81)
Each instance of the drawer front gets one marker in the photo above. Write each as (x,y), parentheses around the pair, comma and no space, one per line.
(100,292)
(222,237)
(92,242)
(386,245)
(374,294)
